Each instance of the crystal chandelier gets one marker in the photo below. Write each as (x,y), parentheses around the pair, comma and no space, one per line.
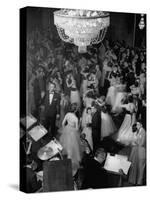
(142,24)
(81,27)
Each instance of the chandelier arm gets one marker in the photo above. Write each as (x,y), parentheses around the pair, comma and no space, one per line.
(63,36)
(99,37)
(104,33)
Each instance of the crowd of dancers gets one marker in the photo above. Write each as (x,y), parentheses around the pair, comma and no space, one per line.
(97,95)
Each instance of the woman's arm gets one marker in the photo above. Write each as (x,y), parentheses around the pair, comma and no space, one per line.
(76,124)
(64,120)
(123,105)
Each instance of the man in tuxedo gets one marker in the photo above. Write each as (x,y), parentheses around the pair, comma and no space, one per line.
(50,109)
(95,175)
(96,126)
(130,78)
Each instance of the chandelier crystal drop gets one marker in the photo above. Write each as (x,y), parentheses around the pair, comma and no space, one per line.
(81,27)
(142,23)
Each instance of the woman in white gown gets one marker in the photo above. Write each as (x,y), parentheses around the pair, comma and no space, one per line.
(70,138)
(120,96)
(64,105)
(84,83)
(86,126)
(74,95)
(88,99)
(112,91)
(138,156)
(107,125)
(125,132)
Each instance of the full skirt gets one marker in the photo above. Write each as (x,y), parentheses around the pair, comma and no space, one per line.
(107,125)
(125,134)
(137,170)
(118,102)
(75,97)
(70,140)
(111,96)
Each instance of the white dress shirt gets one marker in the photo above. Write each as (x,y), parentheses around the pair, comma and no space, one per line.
(51,97)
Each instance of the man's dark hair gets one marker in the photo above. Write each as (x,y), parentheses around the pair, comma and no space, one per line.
(99,150)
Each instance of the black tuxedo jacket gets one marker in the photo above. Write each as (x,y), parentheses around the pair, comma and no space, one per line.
(96,121)
(130,78)
(95,175)
(51,109)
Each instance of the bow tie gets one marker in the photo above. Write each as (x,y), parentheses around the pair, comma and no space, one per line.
(51,92)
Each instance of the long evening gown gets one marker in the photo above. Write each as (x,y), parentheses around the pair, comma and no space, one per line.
(138,158)
(107,125)
(75,96)
(120,95)
(111,94)
(125,131)
(70,140)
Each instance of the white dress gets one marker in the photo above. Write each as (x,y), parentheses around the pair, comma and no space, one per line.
(111,94)
(120,95)
(83,87)
(138,158)
(107,125)
(75,96)
(70,140)
(125,135)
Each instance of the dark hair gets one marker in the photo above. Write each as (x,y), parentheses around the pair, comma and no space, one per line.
(110,64)
(73,107)
(139,121)
(136,83)
(134,128)
(83,136)
(29,160)
(94,104)
(89,108)
(99,150)
(130,99)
